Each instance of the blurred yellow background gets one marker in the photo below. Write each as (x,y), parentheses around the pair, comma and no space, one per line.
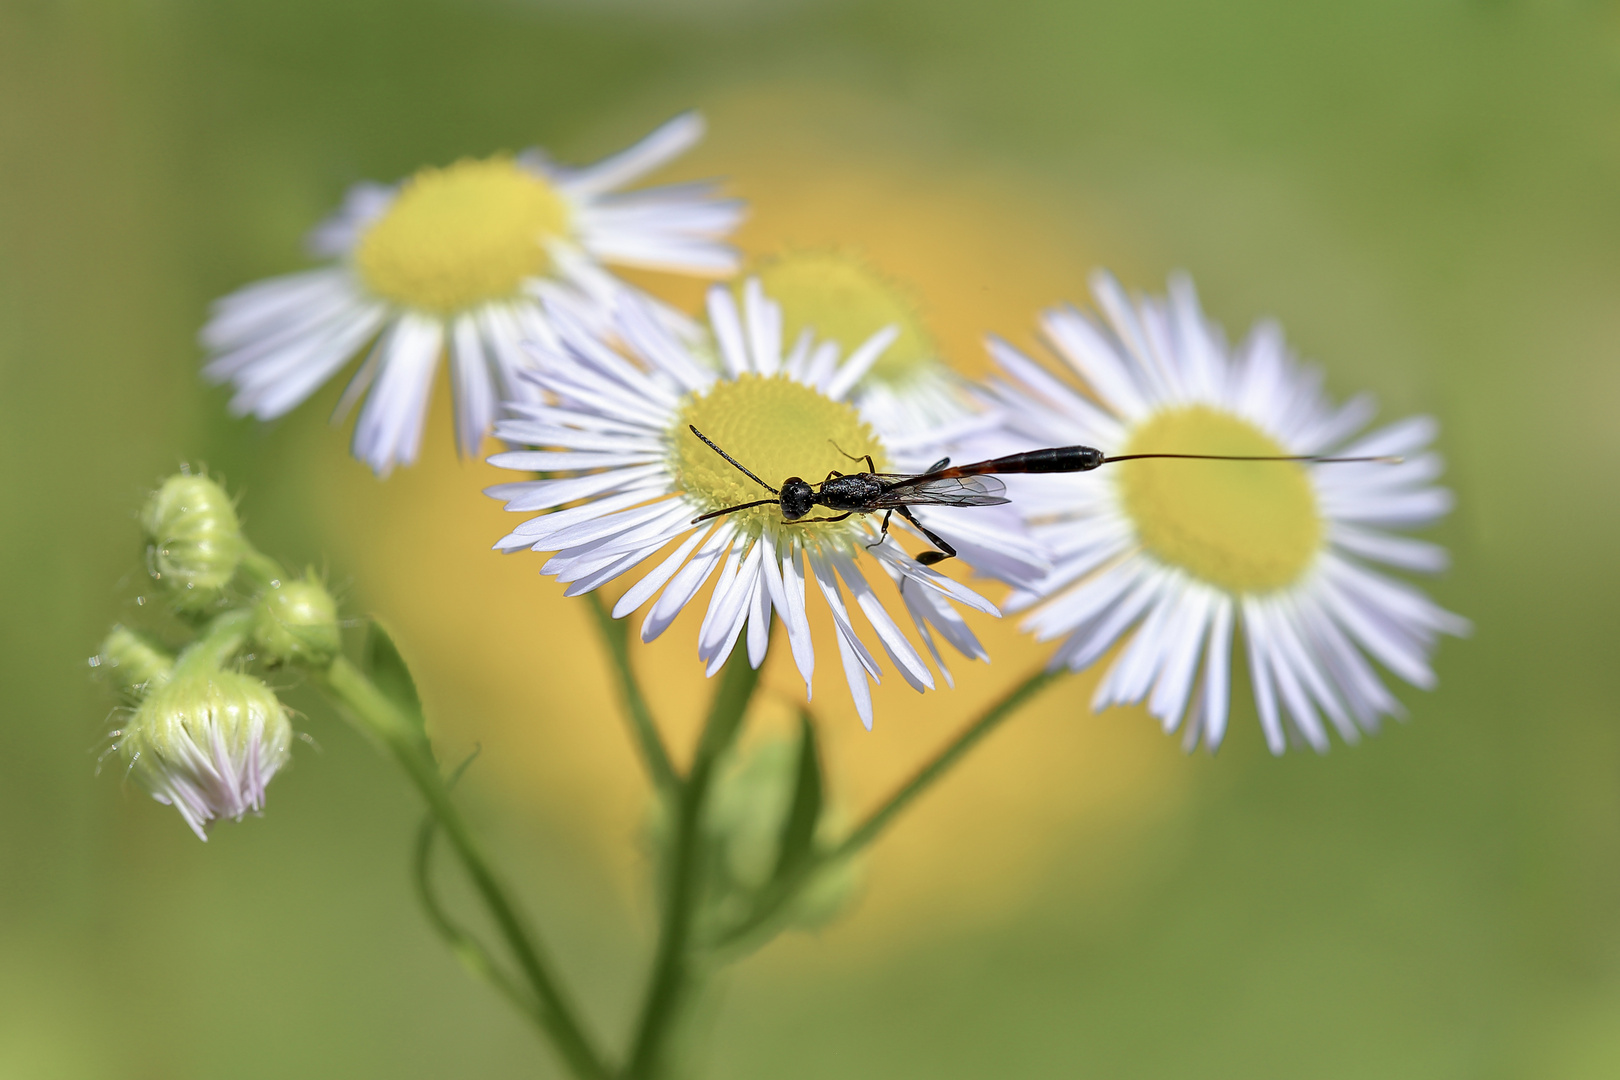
(1428,196)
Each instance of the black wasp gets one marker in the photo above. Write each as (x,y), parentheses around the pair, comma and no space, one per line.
(942,485)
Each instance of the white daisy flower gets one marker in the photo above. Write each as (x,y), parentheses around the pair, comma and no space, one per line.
(615,428)
(1184,552)
(463,260)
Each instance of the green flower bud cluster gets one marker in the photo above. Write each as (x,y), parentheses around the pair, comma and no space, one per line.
(204,735)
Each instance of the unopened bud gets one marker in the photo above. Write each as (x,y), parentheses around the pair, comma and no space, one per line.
(747,807)
(207,743)
(296,623)
(194,539)
(137,665)
(747,811)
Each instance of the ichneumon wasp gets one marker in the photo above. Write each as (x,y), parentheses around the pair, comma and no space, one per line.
(942,484)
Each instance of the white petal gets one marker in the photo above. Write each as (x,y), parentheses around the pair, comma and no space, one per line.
(642,591)
(530,495)
(764,327)
(860,362)
(1265,692)
(728,332)
(475,386)
(389,431)
(759,615)
(724,653)
(1175,681)
(906,659)
(665,143)
(1217,674)
(731,596)
(687,583)
(828,582)
(794,615)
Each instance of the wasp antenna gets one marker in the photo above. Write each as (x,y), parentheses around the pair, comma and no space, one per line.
(733,509)
(1388,459)
(739,466)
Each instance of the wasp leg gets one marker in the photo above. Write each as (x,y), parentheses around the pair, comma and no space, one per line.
(929,558)
(812,521)
(884,535)
(870,467)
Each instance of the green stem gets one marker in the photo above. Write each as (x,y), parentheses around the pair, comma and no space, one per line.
(672,973)
(615,635)
(379,716)
(466,948)
(953,751)
(220,640)
(781,892)
(259,568)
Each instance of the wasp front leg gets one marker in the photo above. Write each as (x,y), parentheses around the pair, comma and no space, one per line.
(884,534)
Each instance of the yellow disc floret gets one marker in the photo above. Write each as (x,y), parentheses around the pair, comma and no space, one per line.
(462,235)
(1243,526)
(776,427)
(842,298)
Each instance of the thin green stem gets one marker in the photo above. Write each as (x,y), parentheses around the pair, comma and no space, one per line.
(379,716)
(775,898)
(466,948)
(219,641)
(259,568)
(615,635)
(949,755)
(673,974)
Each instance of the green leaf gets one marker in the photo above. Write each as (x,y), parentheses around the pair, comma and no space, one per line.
(799,827)
(389,673)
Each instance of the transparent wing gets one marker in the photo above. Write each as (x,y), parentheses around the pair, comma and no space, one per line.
(928,490)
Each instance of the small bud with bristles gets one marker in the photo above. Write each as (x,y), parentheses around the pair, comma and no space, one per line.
(295,622)
(194,540)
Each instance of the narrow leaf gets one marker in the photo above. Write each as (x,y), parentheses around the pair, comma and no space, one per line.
(389,673)
(799,827)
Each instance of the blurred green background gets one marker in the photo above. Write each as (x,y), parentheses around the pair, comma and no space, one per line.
(1426,193)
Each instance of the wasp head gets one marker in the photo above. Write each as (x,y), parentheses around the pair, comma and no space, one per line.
(797,498)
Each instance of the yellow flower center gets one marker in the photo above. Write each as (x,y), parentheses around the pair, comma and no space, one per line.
(1243,526)
(842,298)
(462,235)
(777,428)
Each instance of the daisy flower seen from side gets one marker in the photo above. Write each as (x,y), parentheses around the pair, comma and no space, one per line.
(1169,559)
(841,296)
(462,260)
(612,434)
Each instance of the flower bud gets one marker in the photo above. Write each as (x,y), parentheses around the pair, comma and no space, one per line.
(746,815)
(138,666)
(295,622)
(748,808)
(194,539)
(207,743)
